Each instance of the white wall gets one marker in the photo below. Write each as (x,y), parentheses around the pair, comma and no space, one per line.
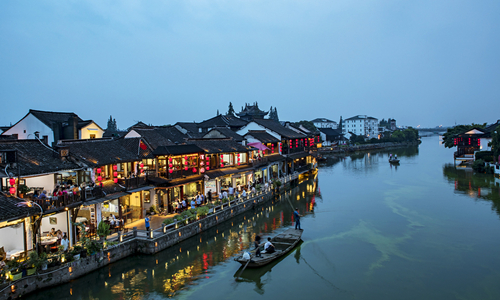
(91,128)
(62,222)
(132,134)
(255,126)
(484,144)
(30,124)
(12,238)
(45,181)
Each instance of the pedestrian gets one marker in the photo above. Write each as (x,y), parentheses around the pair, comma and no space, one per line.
(179,205)
(231,191)
(184,204)
(146,222)
(65,242)
(193,204)
(296,216)
(209,196)
(244,194)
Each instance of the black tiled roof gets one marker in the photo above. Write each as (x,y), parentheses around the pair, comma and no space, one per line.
(222,121)
(10,211)
(278,128)
(329,132)
(51,117)
(219,145)
(36,158)
(99,152)
(162,136)
(225,132)
(178,150)
(191,128)
(262,136)
(321,120)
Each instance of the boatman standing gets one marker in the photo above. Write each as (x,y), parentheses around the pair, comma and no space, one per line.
(296,216)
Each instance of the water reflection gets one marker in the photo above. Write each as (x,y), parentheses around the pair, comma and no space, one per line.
(173,270)
(475,185)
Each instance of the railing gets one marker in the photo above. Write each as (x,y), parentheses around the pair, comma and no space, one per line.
(58,202)
(133,183)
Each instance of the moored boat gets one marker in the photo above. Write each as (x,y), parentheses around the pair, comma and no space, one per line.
(394,161)
(283,242)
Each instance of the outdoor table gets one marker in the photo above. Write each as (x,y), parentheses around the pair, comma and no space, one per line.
(48,240)
(13,253)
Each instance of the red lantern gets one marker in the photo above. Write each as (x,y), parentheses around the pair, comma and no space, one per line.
(141,165)
(194,170)
(12,190)
(99,170)
(186,168)
(186,163)
(185,157)
(221,165)
(115,167)
(170,171)
(170,165)
(202,163)
(115,174)
(238,163)
(116,180)
(142,171)
(202,170)
(12,181)
(99,178)
(208,168)
(170,159)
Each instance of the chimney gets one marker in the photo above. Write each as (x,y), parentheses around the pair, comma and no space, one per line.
(74,127)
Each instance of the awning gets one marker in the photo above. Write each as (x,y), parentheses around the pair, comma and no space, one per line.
(149,187)
(297,155)
(259,146)
(103,199)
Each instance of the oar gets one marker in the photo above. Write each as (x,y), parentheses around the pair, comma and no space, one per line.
(243,268)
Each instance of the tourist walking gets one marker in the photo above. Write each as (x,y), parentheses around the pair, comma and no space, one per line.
(146,222)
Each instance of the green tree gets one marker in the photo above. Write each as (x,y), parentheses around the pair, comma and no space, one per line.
(307,124)
(451,132)
(495,143)
(398,136)
(230,110)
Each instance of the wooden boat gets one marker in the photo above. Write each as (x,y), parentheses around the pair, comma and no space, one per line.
(283,242)
(394,161)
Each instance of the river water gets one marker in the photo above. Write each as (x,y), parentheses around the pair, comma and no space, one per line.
(421,230)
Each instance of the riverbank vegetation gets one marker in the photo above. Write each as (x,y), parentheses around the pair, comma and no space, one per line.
(408,135)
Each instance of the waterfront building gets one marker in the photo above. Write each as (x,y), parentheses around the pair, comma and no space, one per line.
(16,230)
(330,136)
(473,140)
(117,173)
(50,127)
(324,123)
(362,125)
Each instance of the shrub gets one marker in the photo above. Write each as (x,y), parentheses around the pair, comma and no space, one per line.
(202,211)
(486,156)
(224,200)
(179,218)
(168,221)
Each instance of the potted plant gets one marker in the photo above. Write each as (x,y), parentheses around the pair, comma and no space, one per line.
(41,262)
(153,210)
(23,189)
(76,252)
(103,230)
(15,272)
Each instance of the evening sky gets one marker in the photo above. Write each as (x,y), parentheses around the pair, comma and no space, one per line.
(428,62)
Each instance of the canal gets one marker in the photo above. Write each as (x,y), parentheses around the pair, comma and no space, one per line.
(421,230)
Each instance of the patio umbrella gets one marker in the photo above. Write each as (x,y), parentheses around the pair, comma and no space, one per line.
(259,146)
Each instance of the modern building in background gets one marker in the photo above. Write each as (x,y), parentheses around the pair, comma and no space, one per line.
(362,125)
(324,123)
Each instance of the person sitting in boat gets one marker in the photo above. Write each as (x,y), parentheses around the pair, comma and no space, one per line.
(257,246)
(269,247)
(395,156)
